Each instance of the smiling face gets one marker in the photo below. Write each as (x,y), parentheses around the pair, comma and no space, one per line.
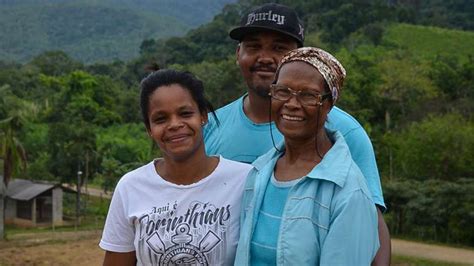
(258,55)
(175,122)
(294,120)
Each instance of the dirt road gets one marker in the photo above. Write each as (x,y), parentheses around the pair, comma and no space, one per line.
(432,252)
(96,192)
(81,248)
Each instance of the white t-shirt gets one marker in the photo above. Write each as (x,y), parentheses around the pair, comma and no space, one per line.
(167,223)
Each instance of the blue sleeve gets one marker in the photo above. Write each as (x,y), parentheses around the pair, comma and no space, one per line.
(363,155)
(352,238)
(211,135)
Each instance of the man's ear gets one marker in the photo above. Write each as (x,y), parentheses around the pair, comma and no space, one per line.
(237,51)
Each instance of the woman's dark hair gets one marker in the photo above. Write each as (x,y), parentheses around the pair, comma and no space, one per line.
(166,77)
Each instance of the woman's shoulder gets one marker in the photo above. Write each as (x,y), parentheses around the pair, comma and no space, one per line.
(227,165)
(229,172)
(136,175)
(354,186)
(339,163)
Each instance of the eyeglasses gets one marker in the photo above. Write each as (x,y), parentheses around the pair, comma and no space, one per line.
(305,97)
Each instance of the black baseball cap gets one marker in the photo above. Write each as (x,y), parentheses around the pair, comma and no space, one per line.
(274,17)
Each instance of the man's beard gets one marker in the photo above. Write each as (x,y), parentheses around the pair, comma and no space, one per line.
(262,91)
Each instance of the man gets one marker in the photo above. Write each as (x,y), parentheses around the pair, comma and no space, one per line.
(246,131)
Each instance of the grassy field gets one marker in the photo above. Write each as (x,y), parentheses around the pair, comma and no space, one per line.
(431,41)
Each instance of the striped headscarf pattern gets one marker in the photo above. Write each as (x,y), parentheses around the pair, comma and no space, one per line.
(329,67)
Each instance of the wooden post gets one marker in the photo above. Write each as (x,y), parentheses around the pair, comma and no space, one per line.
(33,212)
(2,216)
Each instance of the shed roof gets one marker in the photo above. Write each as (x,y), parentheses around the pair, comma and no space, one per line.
(22,189)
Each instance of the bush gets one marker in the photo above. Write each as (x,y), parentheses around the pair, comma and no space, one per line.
(440,147)
(433,209)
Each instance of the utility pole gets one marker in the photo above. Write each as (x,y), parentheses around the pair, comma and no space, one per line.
(78,198)
(3,192)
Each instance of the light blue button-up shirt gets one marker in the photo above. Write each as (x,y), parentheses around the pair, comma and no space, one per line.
(328,219)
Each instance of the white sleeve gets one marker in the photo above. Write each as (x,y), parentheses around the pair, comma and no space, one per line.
(119,233)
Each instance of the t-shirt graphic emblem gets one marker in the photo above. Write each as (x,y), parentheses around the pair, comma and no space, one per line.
(183,252)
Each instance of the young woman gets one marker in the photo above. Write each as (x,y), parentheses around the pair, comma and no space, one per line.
(306,202)
(182,208)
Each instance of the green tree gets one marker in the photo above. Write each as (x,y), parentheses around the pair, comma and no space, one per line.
(35,141)
(398,194)
(14,114)
(439,147)
(431,209)
(455,79)
(55,63)
(85,103)
(222,81)
(405,84)
(208,42)
(123,148)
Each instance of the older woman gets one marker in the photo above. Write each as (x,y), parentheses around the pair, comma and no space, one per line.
(306,202)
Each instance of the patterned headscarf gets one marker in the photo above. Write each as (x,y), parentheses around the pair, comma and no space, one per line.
(329,67)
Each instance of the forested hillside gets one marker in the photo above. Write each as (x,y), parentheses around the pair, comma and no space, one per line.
(92,31)
(410,82)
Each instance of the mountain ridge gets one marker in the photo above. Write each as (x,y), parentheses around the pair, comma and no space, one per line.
(95,31)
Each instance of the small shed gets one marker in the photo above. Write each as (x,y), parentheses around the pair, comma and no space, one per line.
(34,203)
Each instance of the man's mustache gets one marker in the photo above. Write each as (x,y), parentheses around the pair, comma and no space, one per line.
(260,67)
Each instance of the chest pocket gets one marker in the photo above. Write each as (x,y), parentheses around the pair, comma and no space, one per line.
(309,208)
